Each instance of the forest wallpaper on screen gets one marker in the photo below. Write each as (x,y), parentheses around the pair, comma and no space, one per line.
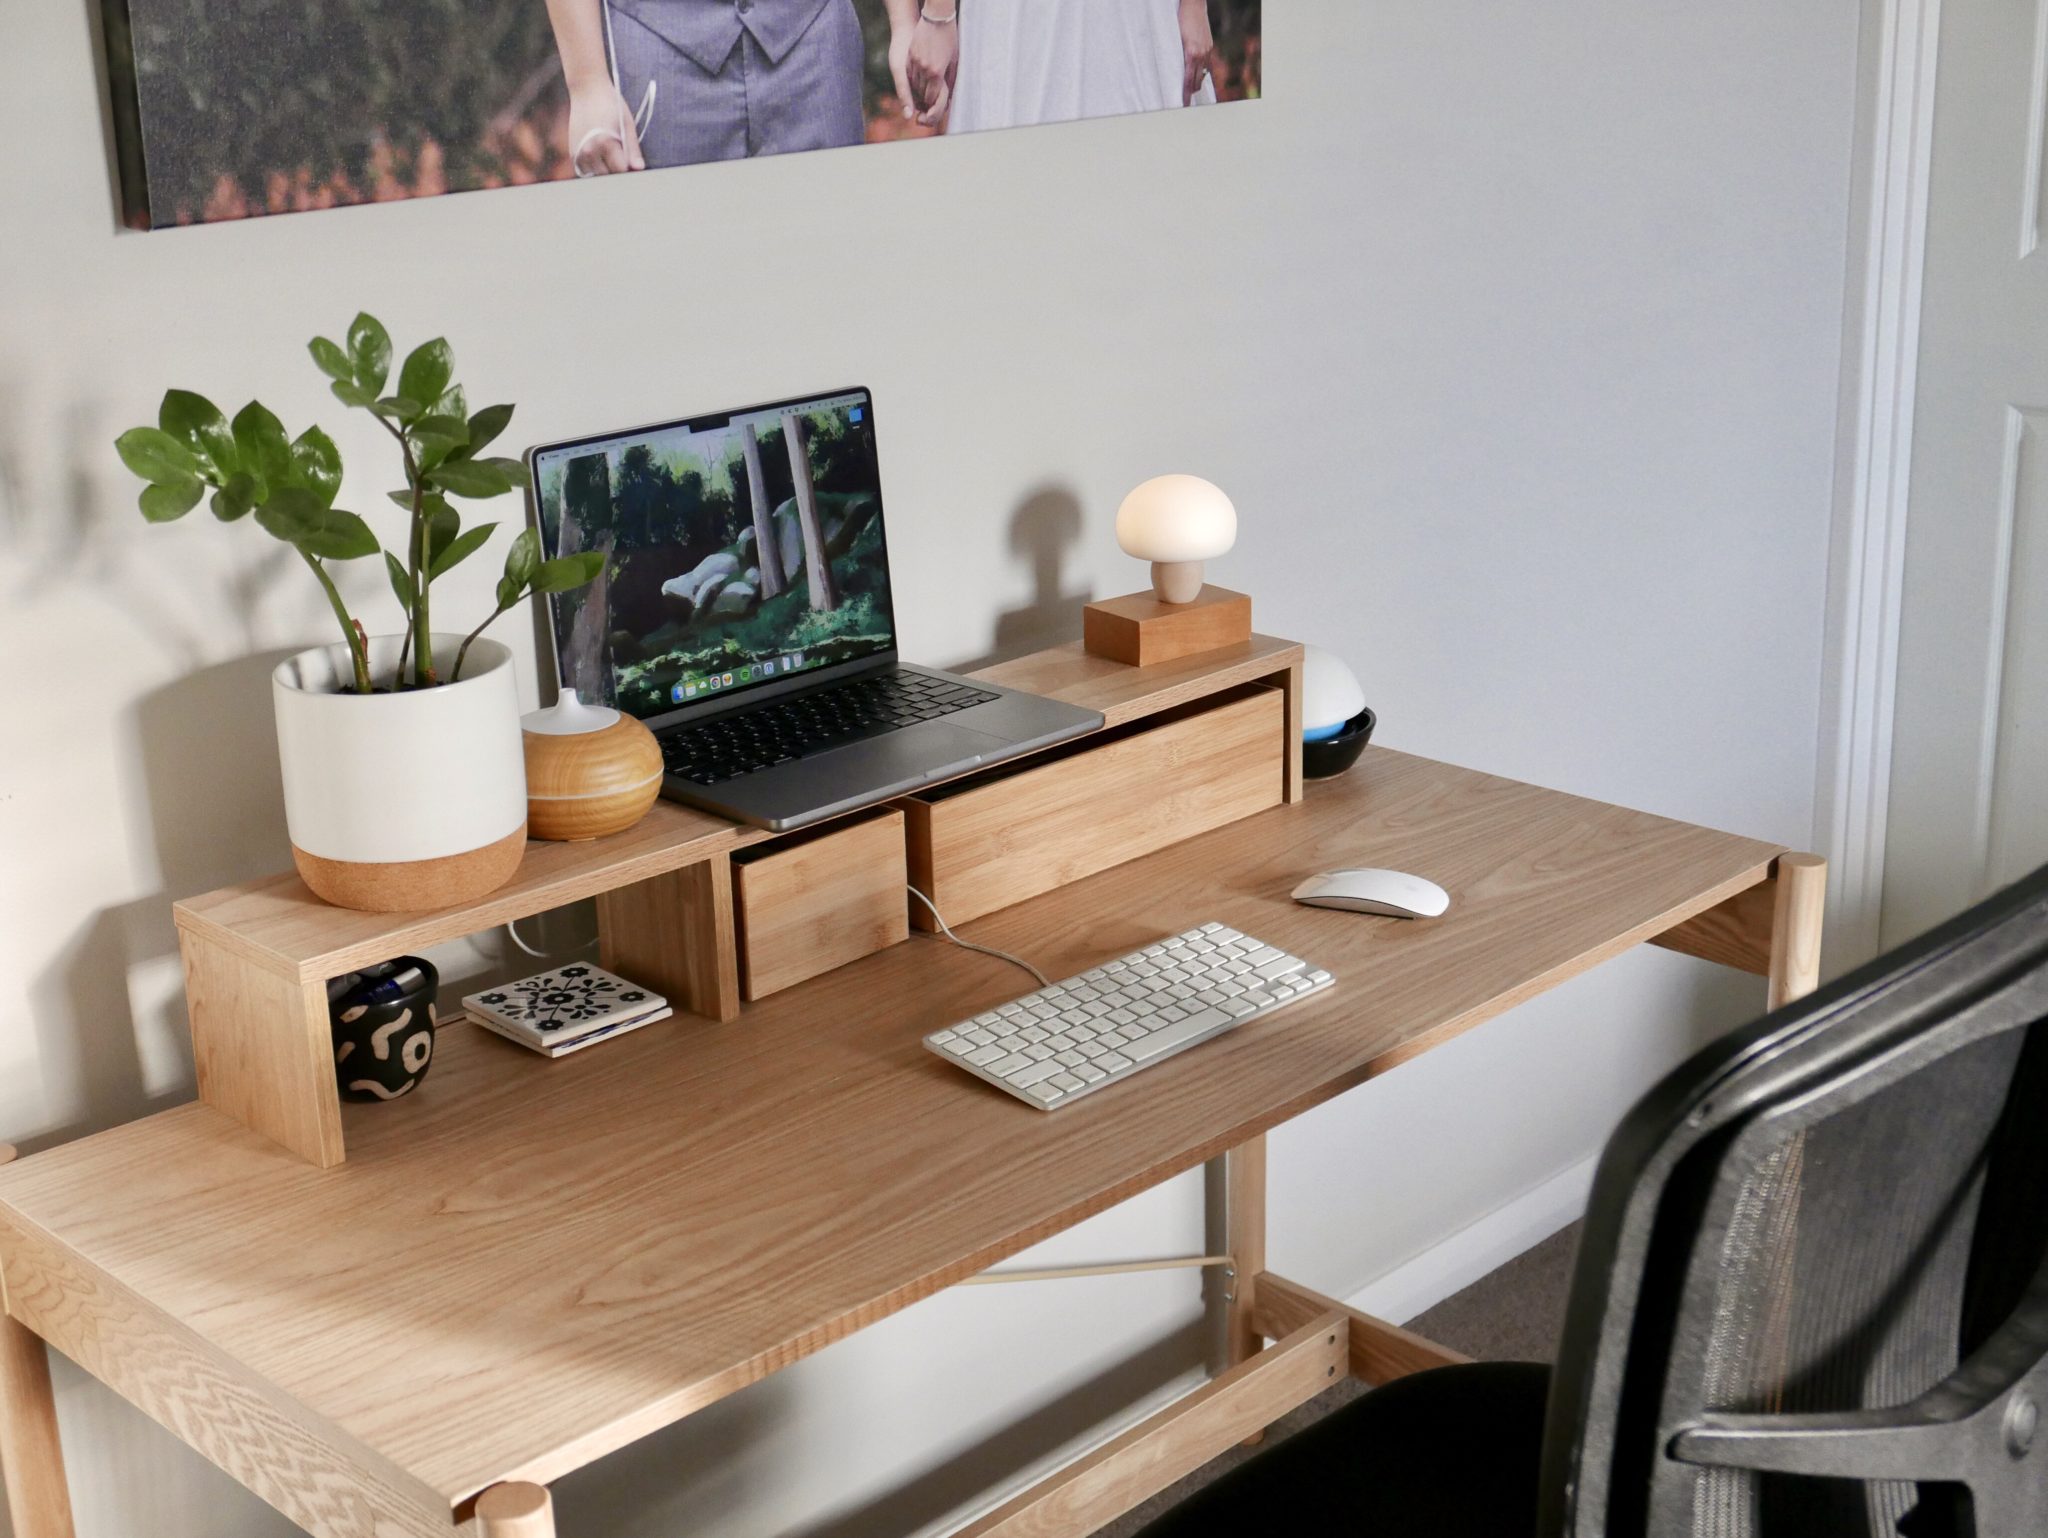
(261,106)
(687,593)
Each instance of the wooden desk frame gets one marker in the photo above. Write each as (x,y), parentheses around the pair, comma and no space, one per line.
(1766,922)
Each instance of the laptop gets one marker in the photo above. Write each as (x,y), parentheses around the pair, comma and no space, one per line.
(747,616)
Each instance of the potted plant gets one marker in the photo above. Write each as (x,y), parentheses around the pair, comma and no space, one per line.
(358,719)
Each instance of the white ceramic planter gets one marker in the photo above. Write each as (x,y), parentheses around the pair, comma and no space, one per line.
(402,801)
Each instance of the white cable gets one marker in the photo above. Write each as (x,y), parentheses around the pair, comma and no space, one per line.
(512,929)
(986,950)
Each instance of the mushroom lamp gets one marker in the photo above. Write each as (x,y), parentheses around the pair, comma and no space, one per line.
(1176,522)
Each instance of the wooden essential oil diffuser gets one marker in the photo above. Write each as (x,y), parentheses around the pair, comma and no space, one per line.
(590,770)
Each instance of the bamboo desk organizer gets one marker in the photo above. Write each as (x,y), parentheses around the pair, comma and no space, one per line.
(527,1265)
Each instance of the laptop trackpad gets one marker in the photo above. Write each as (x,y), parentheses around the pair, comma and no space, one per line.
(933,748)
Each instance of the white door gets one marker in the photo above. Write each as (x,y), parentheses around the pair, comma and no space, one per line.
(1969,789)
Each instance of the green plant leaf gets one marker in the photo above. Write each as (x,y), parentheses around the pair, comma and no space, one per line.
(265,452)
(485,426)
(369,352)
(353,394)
(459,549)
(402,498)
(332,360)
(443,524)
(164,503)
(235,499)
(513,470)
(197,423)
(471,478)
(453,403)
(157,457)
(315,466)
(401,580)
(298,517)
(428,368)
(440,432)
(567,572)
(521,562)
(398,408)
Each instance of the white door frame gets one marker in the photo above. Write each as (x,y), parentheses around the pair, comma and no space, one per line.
(1881,357)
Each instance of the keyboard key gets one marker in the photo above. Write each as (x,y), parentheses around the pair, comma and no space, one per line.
(1193,1028)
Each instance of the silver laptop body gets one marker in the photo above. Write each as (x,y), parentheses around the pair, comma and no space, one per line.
(772,681)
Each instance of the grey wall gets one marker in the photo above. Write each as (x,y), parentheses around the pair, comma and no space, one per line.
(1513,329)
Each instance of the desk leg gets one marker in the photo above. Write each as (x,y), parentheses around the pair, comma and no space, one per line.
(31,1457)
(516,1511)
(1244,1184)
(1795,927)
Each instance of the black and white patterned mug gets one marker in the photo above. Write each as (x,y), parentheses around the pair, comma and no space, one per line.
(383,1019)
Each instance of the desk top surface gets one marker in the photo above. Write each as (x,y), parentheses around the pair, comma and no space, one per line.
(527,1264)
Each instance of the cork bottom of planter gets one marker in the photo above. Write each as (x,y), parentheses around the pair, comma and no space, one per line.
(405,886)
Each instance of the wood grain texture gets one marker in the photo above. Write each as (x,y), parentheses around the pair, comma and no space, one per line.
(583,785)
(525,1265)
(816,903)
(1020,834)
(1379,1352)
(1802,895)
(280,922)
(313,1472)
(31,1452)
(1140,630)
(1244,1181)
(1290,684)
(515,1511)
(674,932)
(1141,1462)
(1735,933)
(263,1049)
(384,887)
(1124,693)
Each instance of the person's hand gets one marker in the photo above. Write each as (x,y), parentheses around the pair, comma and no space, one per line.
(598,118)
(931,69)
(899,66)
(1197,48)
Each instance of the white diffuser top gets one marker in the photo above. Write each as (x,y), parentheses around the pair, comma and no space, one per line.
(568,717)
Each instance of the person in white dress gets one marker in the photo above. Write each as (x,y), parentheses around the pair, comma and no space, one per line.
(974,64)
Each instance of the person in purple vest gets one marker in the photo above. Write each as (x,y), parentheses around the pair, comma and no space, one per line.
(675,82)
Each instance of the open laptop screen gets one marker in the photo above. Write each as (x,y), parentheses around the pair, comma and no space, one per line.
(745,548)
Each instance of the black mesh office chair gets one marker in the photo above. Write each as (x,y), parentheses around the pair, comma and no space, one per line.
(1811,1297)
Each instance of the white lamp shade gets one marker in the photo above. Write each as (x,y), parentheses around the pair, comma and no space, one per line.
(1176,518)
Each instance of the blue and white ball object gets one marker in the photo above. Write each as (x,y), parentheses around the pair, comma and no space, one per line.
(1336,723)
(1330,695)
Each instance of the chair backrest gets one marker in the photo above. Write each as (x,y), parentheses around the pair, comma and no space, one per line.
(1812,1290)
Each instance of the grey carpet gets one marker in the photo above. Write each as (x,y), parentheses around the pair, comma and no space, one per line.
(1511,1314)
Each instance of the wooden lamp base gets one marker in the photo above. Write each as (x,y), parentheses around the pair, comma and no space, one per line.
(1141,630)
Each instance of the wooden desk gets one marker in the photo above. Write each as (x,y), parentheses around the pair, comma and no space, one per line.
(527,1265)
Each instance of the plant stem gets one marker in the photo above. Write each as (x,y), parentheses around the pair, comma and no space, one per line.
(358,654)
(419,622)
(463,651)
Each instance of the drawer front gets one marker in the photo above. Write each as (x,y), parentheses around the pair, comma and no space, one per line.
(819,903)
(982,849)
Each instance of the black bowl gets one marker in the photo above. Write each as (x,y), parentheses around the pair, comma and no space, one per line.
(1333,755)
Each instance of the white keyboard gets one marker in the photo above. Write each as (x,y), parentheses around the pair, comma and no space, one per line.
(1055,1045)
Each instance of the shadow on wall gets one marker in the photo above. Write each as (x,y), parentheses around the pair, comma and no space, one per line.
(206,747)
(1043,529)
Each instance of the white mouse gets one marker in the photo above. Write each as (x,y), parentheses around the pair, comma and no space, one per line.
(1391,892)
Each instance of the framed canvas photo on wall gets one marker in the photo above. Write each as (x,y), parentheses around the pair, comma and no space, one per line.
(263,107)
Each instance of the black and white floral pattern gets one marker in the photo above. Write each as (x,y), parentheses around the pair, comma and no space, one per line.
(573,996)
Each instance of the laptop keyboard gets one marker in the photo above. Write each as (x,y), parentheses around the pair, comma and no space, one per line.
(811,722)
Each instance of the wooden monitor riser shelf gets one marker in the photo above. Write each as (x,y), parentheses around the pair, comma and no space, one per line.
(524,1266)
(258,956)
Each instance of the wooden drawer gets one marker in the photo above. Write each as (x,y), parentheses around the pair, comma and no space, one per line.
(816,901)
(992,841)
